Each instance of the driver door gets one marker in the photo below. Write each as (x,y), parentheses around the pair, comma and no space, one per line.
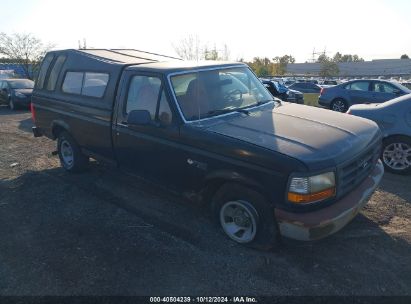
(146,149)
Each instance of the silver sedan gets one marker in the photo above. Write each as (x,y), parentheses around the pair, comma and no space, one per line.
(394,119)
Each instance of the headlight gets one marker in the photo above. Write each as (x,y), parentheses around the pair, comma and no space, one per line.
(18,94)
(312,188)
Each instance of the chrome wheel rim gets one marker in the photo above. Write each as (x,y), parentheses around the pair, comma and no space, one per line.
(67,153)
(397,156)
(238,220)
(339,106)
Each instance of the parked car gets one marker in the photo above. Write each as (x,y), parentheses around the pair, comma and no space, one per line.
(287,83)
(406,84)
(282,92)
(305,87)
(330,82)
(341,97)
(16,93)
(264,168)
(394,119)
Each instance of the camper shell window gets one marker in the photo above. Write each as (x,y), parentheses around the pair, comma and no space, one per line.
(90,84)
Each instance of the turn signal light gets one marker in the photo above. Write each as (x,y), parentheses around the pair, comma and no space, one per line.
(311,197)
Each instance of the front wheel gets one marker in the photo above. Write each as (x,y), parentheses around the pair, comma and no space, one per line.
(339,105)
(396,154)
(71,157)
(245,216)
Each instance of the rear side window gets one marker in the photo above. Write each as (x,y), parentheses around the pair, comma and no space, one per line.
(73,82)
(359,86)
(85,83)
(381,87)
(94,84)
(43,70)
(55,71)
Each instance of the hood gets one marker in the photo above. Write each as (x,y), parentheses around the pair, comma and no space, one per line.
(319,138)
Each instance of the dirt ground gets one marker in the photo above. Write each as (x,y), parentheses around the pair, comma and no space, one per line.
(104,233)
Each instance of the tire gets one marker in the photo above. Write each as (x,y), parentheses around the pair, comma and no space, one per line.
(12,105)
(339,105)
(254,217)
(71,157)
(396,154)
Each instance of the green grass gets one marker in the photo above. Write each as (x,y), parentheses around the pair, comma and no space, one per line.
(311,99)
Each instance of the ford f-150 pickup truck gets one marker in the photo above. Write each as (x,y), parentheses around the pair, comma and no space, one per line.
(211,132)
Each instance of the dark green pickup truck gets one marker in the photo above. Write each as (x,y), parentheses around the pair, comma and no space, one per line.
(212,133)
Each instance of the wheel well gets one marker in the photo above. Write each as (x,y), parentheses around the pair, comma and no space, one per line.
(212,186)
(396,135)
(56,130)
(340,98)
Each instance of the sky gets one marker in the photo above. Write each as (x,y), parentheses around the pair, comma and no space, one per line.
(373,29)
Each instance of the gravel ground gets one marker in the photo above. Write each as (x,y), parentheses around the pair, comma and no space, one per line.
(104,233)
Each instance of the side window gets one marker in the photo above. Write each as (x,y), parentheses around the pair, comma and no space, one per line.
(55,71)
(43,70)
(85,83)
(94,84)
(165,116)
(381,87)
(143,94)
(73,82)
(360,86)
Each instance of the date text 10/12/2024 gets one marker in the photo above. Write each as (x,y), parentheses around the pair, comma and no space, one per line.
(203,300)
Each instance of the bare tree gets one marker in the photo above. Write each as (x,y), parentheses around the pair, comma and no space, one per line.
(25,49)
(188,48)
(191,48)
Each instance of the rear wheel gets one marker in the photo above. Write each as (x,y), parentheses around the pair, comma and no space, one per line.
(245,216)
(71,157)
(339,105)
(396,154)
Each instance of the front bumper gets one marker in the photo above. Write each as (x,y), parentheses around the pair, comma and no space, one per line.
(324,222)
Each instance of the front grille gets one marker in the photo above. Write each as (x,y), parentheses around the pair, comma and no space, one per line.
(353,172)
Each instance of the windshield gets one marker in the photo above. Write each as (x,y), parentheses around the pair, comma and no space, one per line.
(212,92)
(21,84)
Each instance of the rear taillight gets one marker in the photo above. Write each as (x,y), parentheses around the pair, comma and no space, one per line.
(33,112)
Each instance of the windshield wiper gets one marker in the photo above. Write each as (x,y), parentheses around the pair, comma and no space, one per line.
(259,103)
(228,110)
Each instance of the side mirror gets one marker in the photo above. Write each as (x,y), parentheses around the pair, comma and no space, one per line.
(139,117)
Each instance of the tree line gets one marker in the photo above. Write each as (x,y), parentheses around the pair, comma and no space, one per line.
(28,51)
